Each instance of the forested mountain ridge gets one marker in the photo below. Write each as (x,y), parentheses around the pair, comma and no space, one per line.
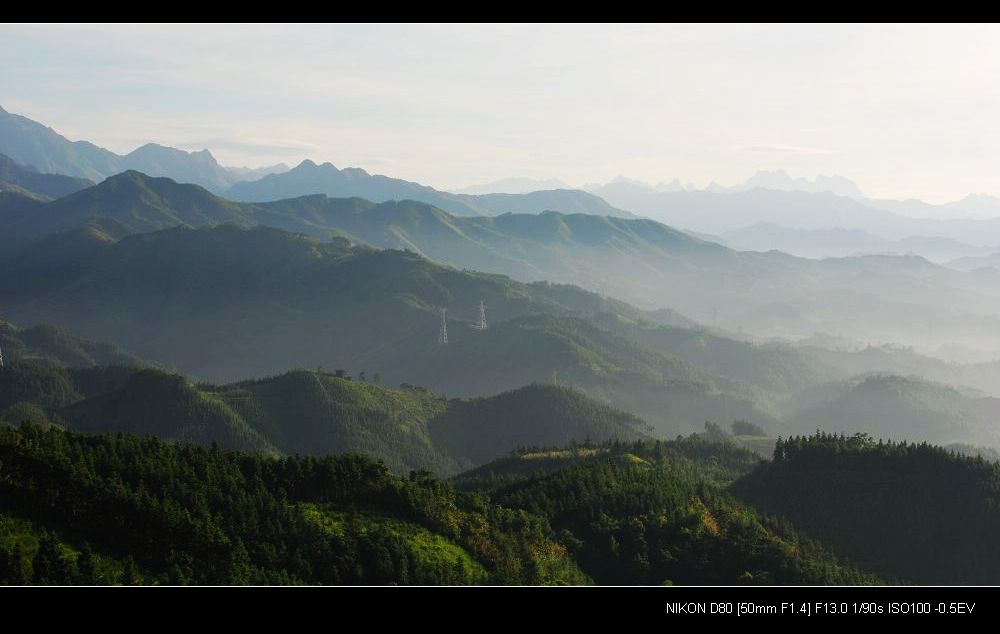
(139,203)
(260,301)
(642,261)
(656,513)
(905,510)
(310,413)
(136,202)
(80,509)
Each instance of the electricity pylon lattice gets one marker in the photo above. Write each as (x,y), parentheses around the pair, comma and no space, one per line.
(443,332)
(482,316)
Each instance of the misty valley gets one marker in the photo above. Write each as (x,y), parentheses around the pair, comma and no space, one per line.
(313,375)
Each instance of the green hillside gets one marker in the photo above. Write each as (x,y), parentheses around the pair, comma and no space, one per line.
(308,413)
(670,394)
(483,429)
(86,509)
(903,510)
(137,202)
(313,413)
(78,509)
(48,344)
(49,388)
(656,513)
(166,406)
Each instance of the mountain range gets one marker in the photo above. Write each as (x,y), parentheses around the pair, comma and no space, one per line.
(51,244)
(825,204)
(172,296)
(777,180)
(972,206)
(645,262)
(29,143)
(715,212)
(33,144)
(309,178)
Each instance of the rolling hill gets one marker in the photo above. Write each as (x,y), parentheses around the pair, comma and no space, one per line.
(897,408)
(310,413)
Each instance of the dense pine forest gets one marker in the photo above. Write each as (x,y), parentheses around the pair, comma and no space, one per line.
(657,512)
(98,509)
(102,509)
(904,510)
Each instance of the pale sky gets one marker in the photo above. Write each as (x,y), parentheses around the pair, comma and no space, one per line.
(904,111)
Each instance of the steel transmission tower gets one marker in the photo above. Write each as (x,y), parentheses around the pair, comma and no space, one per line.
(482,316)
(443,333)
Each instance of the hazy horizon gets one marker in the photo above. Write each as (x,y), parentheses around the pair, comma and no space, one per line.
(905,111)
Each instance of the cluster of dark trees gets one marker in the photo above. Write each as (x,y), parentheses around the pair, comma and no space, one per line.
(907,511)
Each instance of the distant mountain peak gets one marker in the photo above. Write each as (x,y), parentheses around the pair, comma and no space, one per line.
(981,197)
(31,143)
(164,155)
(780,180)
(631,181)
(353,172)
(513,185)
(311,167)
(673,186)
(981,205)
